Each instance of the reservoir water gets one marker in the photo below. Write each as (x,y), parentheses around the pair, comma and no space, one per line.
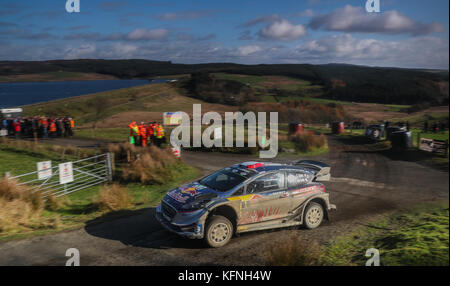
(23,93)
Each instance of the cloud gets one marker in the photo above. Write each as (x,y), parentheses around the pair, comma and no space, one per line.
(144,34)
(264,19)
(306,13)
(246,36)
(140,34)
(187,15)
(430,52)
(282,30)
(355,19)
(248,50)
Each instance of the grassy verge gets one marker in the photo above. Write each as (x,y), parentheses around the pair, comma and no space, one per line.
(78,208)
(415,237)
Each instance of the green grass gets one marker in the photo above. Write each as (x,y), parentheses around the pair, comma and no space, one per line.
(418,120)
(415,237)
(106,134)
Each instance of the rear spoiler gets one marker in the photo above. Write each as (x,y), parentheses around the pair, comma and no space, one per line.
(322,172)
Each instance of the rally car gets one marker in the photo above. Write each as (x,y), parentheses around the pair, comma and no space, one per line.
(247,197)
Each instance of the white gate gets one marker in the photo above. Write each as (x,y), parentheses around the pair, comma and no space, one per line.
(86,173)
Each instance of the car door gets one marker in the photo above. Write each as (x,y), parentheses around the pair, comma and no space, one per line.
(266,199)
(297,186)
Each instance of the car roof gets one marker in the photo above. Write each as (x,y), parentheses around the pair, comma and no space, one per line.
(259,167)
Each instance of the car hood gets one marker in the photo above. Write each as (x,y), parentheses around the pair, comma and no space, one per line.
(189,193)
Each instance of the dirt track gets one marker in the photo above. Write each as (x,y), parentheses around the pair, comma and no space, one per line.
(364,185)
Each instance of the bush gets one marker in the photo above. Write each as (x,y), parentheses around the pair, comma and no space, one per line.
(19,208)
(153,165)
(306,141)
(53,203)
(113,198)
(293,251)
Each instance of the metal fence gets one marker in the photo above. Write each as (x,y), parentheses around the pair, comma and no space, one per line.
(86,173)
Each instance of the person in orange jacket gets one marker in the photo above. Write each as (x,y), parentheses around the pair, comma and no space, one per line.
(52,128)
(143,134)
(150,130)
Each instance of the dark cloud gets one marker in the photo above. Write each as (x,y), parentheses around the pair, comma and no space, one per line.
(246,36)
(187,15)
(260,20)
(355,19)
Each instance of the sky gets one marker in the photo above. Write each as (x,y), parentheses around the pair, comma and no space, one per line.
(407,34)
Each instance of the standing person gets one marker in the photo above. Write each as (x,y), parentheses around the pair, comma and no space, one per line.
(143,134)
(52,128)
(66,124)
(159,134)
(44,126)
(17,128)
(35,128)
(133,133)
(60,127)
(72,126)
(150,130)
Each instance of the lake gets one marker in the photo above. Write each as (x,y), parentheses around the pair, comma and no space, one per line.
(22,93)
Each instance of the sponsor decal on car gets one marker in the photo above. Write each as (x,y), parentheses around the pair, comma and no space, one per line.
(304,191)
(184,193)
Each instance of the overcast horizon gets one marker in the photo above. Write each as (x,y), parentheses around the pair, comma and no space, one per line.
(405,34)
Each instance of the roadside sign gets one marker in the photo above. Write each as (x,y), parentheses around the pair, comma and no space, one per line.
(44,170)
(3,132)
(176,151)
(65,173)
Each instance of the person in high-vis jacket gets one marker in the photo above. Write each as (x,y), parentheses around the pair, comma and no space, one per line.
(150,132)
(133,133)
(143,134)
(159,134)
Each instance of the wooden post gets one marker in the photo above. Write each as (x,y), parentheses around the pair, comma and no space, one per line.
(418,140)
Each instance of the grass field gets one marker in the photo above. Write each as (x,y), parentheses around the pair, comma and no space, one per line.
(414,237)
(265,82)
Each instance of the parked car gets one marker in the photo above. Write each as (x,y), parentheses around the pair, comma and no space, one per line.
(247,197)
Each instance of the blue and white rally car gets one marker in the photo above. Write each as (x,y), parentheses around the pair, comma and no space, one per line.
(247,197)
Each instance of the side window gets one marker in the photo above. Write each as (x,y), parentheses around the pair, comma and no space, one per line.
(266,183)
(239,192)
(296,179)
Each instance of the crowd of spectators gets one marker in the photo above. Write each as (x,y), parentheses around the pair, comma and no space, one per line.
(38,127)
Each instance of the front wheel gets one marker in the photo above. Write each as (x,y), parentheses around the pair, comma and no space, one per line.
(313,215)
(218,232)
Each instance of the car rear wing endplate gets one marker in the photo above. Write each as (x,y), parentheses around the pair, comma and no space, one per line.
(322,172)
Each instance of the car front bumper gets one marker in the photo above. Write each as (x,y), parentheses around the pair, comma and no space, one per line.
(192,231)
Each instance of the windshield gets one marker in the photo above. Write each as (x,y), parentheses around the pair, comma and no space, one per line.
(223,180)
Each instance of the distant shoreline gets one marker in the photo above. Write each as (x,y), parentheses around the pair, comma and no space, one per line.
(55,77)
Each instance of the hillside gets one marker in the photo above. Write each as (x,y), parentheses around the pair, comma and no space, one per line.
(340,82)
(117,108)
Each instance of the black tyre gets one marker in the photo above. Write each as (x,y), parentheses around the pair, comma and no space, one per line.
(313,215)
(219,231)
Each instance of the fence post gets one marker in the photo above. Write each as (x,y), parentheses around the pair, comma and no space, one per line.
(109,166)
(418,140)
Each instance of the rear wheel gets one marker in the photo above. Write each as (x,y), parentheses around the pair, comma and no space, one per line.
(219,231)
(313,215)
